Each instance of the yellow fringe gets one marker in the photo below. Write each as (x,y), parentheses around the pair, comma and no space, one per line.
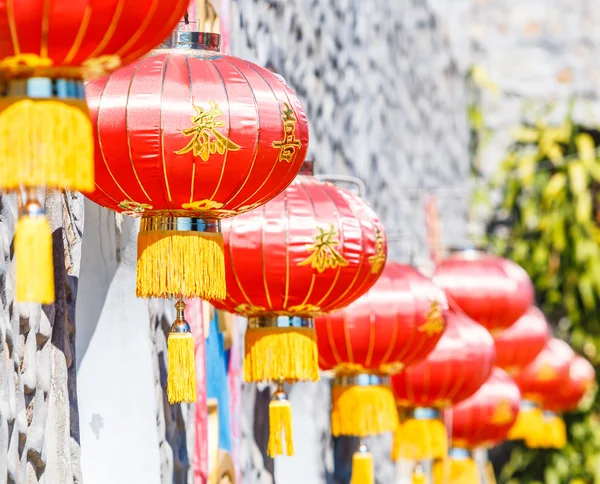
(280,426)
(34,264)
(363,410)
(529,425)
(420,440)
(46,143)
(281,354)
(181,382)
(456,471)
(553,434)
(182,263)
(362,468)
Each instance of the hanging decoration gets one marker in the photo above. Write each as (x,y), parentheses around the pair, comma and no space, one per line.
(519,345)
(460,363)
(313,249)
(492,291)
(541,381)
(187,137)
(397,323)
(482,420)
(580,380)
(46,140)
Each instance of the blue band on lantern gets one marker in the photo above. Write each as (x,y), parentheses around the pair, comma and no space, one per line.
(180,224)
(426,413)
(548,414)
(268,321)
(43,88)
(527,405)
(458,453)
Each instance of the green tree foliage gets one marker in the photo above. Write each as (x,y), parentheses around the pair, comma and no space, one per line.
(547,221)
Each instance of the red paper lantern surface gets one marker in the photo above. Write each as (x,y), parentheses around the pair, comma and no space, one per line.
(543,378)
(459,364)
(582,376)
(492,291)
(397,323)
(71,38)
(485,418)
(518,345)
(194,133)
(312,249)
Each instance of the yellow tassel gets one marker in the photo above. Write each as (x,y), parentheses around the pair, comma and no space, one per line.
(397,443)
(456,471)
(363,410)
(46,143)
(280,426)
(362,468)
(529,424)
(553,433)
(281,354)
(181,383)
(421,439)
(186,263)
(34,265)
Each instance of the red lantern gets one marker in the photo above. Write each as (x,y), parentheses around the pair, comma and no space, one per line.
(492,291)
(460,363)
(582,377)
(46,50)
(397,323)
(314,248)
(186,137)
(482,420)
(519,345)
(541,381)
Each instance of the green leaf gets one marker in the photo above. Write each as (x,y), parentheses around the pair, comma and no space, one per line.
(585,146)
(586,291)
(557,183)
(524,134)
(578,177)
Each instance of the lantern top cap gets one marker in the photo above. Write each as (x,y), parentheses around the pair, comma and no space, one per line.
(181,39)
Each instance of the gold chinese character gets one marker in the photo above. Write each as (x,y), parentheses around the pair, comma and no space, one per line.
(503,414)
(434,323)
(378,259)
(546,372)
(289,144)
(323,254)
(206,140)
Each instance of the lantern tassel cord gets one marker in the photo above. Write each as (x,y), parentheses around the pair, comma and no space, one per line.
(363,410)
(280,424)
(272,354)
(363,471)
(34,269)
(181,381)
(180,262)
(46,143)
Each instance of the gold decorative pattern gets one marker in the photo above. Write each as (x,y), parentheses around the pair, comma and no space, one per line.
(378,259)
(25,60)
(134,209)
(250,310)
(503,414)
(303,309)
(33,64)
(289,144)
(546,372)
(206,139)
(102,65)
(209,208)
(434,323)
(323,253)
(391,368)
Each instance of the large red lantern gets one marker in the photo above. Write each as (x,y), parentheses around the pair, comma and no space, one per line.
(541,381)
(46,49)
(460,363)
(397,323)
(492,291)
(482,420)
(187,137)
(519,345)
(314,248)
